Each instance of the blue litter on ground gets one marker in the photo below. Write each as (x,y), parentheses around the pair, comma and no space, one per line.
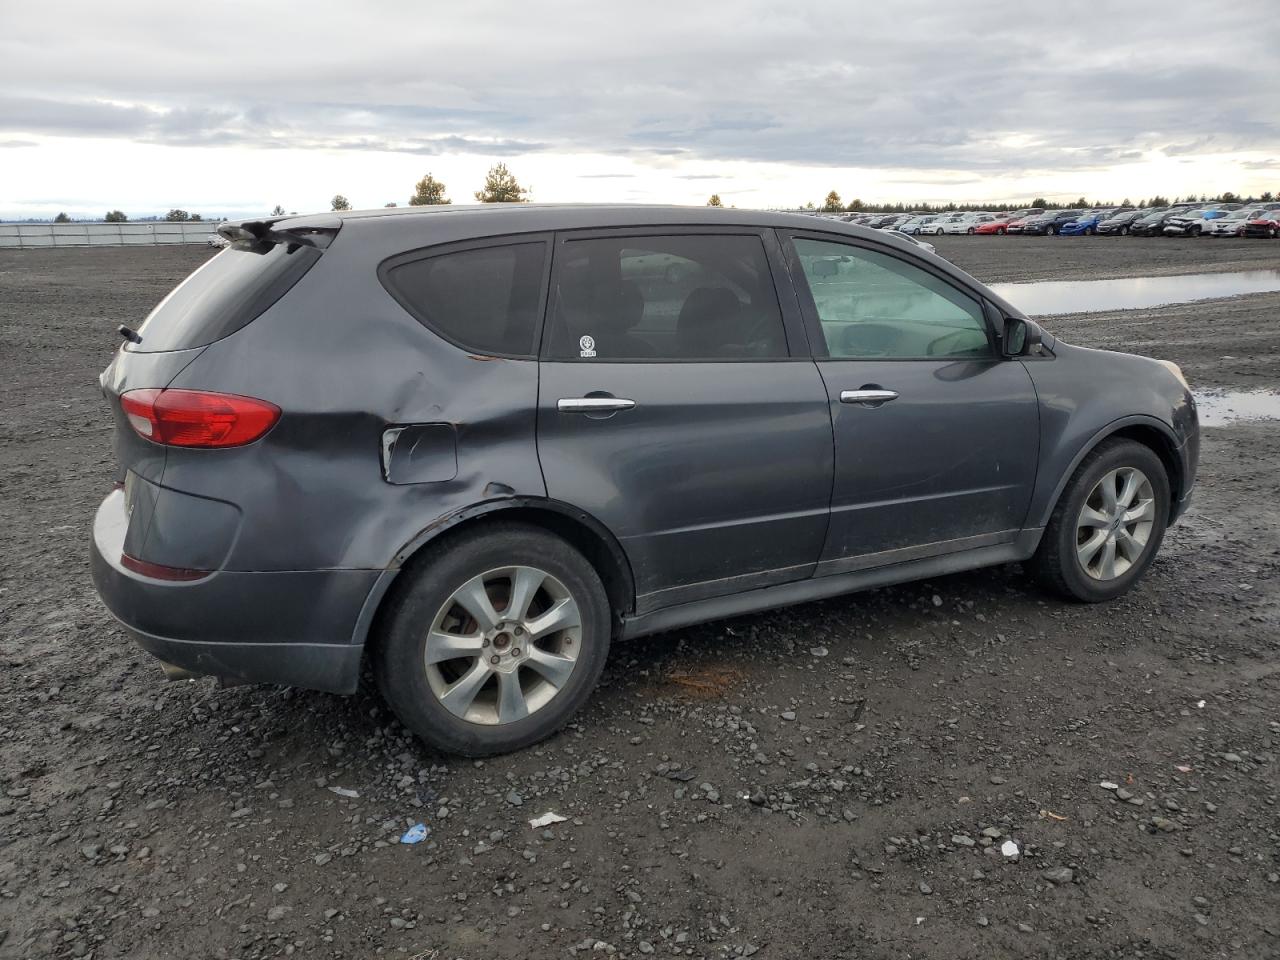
(416,834)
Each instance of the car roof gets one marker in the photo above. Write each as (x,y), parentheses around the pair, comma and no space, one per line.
(564,216)
(391,230)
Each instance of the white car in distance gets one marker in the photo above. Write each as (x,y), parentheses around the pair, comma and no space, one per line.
(967,223)
(1233,222)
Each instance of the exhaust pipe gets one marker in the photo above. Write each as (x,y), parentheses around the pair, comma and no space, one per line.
(173,672)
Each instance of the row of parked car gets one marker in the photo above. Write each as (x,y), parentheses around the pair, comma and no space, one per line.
(1175,220)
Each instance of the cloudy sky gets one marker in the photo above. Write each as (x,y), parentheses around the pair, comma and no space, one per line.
(231,107)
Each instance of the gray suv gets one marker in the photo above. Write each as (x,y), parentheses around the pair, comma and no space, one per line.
(470,448)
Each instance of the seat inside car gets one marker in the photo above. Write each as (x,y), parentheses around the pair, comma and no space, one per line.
(710,324)
(608,312)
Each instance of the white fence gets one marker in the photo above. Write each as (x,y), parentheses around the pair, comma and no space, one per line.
(103,234)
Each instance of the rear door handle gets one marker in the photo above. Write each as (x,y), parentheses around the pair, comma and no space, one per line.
(868,398)
(593,404)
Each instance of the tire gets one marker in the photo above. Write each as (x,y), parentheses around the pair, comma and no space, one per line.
(1271,234)
(1057,563)
(1124,231)
(970,231)
(1089,231)
(427,604)
(1001,231)
(1052,231)
(939,232)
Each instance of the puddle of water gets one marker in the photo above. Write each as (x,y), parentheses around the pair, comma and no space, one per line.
(1224,409)
(1132,293)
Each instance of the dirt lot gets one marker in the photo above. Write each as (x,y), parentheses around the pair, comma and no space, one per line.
(829,781)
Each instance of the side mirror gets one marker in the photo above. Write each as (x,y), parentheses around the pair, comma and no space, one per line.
(1020,337)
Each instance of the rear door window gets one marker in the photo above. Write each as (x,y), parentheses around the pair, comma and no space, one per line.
(673,298)
(228,292)
(485,299)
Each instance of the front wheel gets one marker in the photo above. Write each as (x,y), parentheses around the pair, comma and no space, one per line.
(970,231)
(1088,231)
(1108,524)
(1124,231)
(1000,231)
(938,233)
(1052,231)
(497,638)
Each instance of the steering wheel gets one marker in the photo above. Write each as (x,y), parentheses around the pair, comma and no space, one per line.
(866,339)
(944,344)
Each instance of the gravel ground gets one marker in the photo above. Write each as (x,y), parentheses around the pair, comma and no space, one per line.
(835,780)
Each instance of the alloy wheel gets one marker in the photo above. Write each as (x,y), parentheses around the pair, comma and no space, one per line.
(503,645)
(1115,523)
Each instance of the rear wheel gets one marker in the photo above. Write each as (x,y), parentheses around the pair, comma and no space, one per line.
(1052,231)
(938,232)
(1124,231)
(971,231)
(495,642)
(1108,524)
(1088,231)
(1000,231)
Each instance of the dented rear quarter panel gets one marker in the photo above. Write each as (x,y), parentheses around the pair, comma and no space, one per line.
(344,362)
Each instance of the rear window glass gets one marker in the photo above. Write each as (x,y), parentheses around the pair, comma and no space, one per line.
(229,291)
(486,300)
(665,298)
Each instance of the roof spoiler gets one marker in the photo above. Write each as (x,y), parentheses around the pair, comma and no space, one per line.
(259,236)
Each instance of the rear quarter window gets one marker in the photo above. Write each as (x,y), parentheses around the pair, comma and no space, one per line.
(227,293)
(485,299)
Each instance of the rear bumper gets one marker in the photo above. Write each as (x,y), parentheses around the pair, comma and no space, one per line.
(288,627)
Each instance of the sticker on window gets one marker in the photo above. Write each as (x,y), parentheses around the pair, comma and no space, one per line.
(588,345)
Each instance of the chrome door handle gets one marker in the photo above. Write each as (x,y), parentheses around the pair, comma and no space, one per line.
(593,404)
(868,398)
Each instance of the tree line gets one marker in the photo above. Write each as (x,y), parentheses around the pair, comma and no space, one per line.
(118,216)
(501,186)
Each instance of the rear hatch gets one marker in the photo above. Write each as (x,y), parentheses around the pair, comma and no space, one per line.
(262,262)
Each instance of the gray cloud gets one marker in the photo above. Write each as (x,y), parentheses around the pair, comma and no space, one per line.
(946,93)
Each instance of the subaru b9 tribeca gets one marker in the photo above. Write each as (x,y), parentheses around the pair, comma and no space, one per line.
(471,447)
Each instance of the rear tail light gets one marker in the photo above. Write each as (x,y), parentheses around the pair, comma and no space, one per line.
(158,571)
(197,418)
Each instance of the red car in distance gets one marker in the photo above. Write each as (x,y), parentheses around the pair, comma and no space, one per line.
(1267,225)
(998,227)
